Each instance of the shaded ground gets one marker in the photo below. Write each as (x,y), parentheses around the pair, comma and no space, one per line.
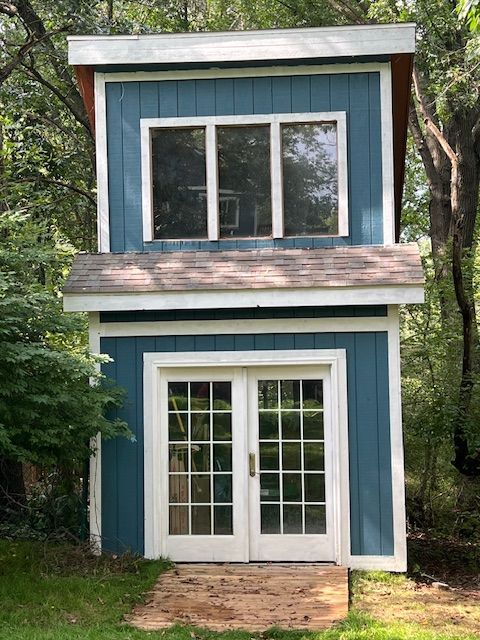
(397,599)
(60,592)
(453,562)
(413,599)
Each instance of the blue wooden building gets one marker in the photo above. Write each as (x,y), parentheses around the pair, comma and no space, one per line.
(247,287)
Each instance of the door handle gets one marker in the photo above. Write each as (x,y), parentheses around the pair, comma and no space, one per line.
(251,464)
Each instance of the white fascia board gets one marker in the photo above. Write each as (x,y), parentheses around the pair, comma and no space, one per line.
(240,299)
(248,46)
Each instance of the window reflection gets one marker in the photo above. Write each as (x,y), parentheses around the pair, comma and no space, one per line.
(179,183)
(244,181)
(310,179)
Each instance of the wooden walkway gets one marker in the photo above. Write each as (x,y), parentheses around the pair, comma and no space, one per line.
(253,597)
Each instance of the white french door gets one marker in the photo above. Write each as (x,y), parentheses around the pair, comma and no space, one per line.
(290,483)
(246,464)
(203,479)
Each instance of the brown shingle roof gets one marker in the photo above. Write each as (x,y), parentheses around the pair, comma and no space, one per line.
(253,269)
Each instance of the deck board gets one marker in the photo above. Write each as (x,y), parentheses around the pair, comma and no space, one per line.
(252,596)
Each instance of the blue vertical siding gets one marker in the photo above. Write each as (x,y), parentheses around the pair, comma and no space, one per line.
(358,94)
(368,416)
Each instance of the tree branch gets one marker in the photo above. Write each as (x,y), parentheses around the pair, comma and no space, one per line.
(17,59)
(35,75)
(429,123)
(421,145)
(65,185)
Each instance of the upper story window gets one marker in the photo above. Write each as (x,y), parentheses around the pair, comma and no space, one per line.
(279,175)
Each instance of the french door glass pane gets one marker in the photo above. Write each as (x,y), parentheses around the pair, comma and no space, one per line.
(179,183)
(200,458)
(310,179)
(292,466)
(244,195)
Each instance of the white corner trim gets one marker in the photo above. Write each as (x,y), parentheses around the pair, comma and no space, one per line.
(154,363)
(239,327)
(388,188)
(103,222)
(234,46)
(396,439)
(243,298)
(95,477)
(210,123)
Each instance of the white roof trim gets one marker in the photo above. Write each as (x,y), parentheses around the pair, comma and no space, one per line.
(246,46)
(235,299)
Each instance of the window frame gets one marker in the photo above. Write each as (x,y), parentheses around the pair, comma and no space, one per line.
(210,124)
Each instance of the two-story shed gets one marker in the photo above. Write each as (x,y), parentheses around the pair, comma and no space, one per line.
(247,288)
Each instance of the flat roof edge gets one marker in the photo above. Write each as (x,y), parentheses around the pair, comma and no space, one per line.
(234,46)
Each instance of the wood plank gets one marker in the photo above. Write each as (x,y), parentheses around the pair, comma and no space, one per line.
(254,597)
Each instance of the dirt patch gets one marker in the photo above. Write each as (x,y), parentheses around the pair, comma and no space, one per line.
(406,601)
(455,562)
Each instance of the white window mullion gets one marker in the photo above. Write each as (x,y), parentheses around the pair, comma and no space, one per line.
(277,183)
(212,182)
(342,175)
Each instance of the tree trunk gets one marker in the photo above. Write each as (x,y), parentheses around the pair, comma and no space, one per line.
(465,179)
(12,486)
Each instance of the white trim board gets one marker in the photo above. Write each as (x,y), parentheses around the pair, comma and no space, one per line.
(239,327)
(101,152)
(210,124)
(396,441)
(386,117)
(245,72)
(234,46)
(95,467)
(245,298)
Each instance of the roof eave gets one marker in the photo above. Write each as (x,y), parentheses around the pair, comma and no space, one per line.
(244,298)
(244,46)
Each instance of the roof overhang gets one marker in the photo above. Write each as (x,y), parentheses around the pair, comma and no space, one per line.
(324,277)
(244,299)
(243,46)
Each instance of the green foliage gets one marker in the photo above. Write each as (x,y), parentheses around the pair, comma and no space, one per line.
(48,411)
(469,12)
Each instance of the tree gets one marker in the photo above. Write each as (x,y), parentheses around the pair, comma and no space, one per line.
(48,411)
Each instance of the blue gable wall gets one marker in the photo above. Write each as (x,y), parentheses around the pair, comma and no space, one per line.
(368,416)
(357,93)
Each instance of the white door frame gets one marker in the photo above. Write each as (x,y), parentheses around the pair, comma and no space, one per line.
(334,359)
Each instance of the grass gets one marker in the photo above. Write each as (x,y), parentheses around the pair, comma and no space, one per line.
(55,592)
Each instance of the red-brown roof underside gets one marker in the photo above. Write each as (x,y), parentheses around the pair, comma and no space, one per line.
(401,82)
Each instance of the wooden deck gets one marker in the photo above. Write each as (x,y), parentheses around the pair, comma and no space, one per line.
(253,597)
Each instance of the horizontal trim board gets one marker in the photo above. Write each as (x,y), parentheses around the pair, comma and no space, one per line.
(321,42)
(243,72)
(240,327)
(243,314)
(241,64)
(200,299)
